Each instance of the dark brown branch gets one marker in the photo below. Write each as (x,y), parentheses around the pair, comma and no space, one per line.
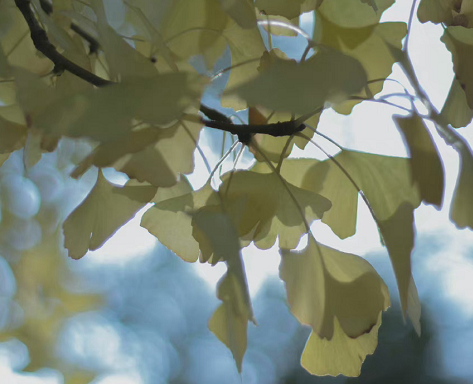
(42,44)
(93,43)
(218,120)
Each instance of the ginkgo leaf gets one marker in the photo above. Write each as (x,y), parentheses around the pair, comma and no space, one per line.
(384,180)
(214,230)
(368,45)
(459,41)
(288,86)
(5,71)
(436,11)
(353,14)
(242,11)
(324,284)
(461,211)
(246,48)
(342,355)
(12,136)
(170,221)
(105,114)
(426,167)
(105,209)
(270,211)
(288,9)
(398,234)
(456,111)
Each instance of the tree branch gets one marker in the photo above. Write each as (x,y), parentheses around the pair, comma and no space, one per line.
(218,120)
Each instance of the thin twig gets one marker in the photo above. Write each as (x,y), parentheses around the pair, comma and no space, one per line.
(409,24)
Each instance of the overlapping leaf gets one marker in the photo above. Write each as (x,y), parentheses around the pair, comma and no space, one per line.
(426,167)
(342,355)
(324,284)
(288,86)
(214,229)
(436,11)
(101,214)
(456,111)
(461,211)
(459,41)
(288,9)
(270,211)
(384,180)
(242,11)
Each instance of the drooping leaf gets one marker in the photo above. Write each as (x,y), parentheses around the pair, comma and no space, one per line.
(367,44)
(456,111)
(215,230)
(324,284)
(436,11)
(342,355)
(461,211)
(242,11)
(105,209)
(384,180)
(288,86)
(398,234)
(270,211)
(459,41)
(426,167)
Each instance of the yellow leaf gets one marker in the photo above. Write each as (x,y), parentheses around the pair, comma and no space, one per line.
(242,11)
(288,86)
(101,214)
(170,222)
(342,355)
(426,167)
(324,284)
(436,11)
(352,13)
(398,235)
(269,211)
(461,211)
(459,41)
(456,111)
(384,180)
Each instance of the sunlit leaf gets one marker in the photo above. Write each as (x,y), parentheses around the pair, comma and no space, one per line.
(436,11)
(170,221)
(353,14)
(242,11)
(368,45)
(324,284)
(398,234)
(456,111)
(342,355)
(101,214)
(288,9)
(459,41)
(288,86)
(270,211)
(461,211)
(384,180)
(12,136)
(426,167)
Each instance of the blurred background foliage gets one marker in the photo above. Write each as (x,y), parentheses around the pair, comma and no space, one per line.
(144,320)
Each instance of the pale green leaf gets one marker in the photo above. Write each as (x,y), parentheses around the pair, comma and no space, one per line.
(353,13)
(459,41)
(324,284)
(288,9)
(171,223)
(461,211)
(242,11)
(398,235)
(12,136)
(436,11)
(342,355)
(105,209)
(425,164)
(270,211)
(384,180)
(456,111)
(288,86)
